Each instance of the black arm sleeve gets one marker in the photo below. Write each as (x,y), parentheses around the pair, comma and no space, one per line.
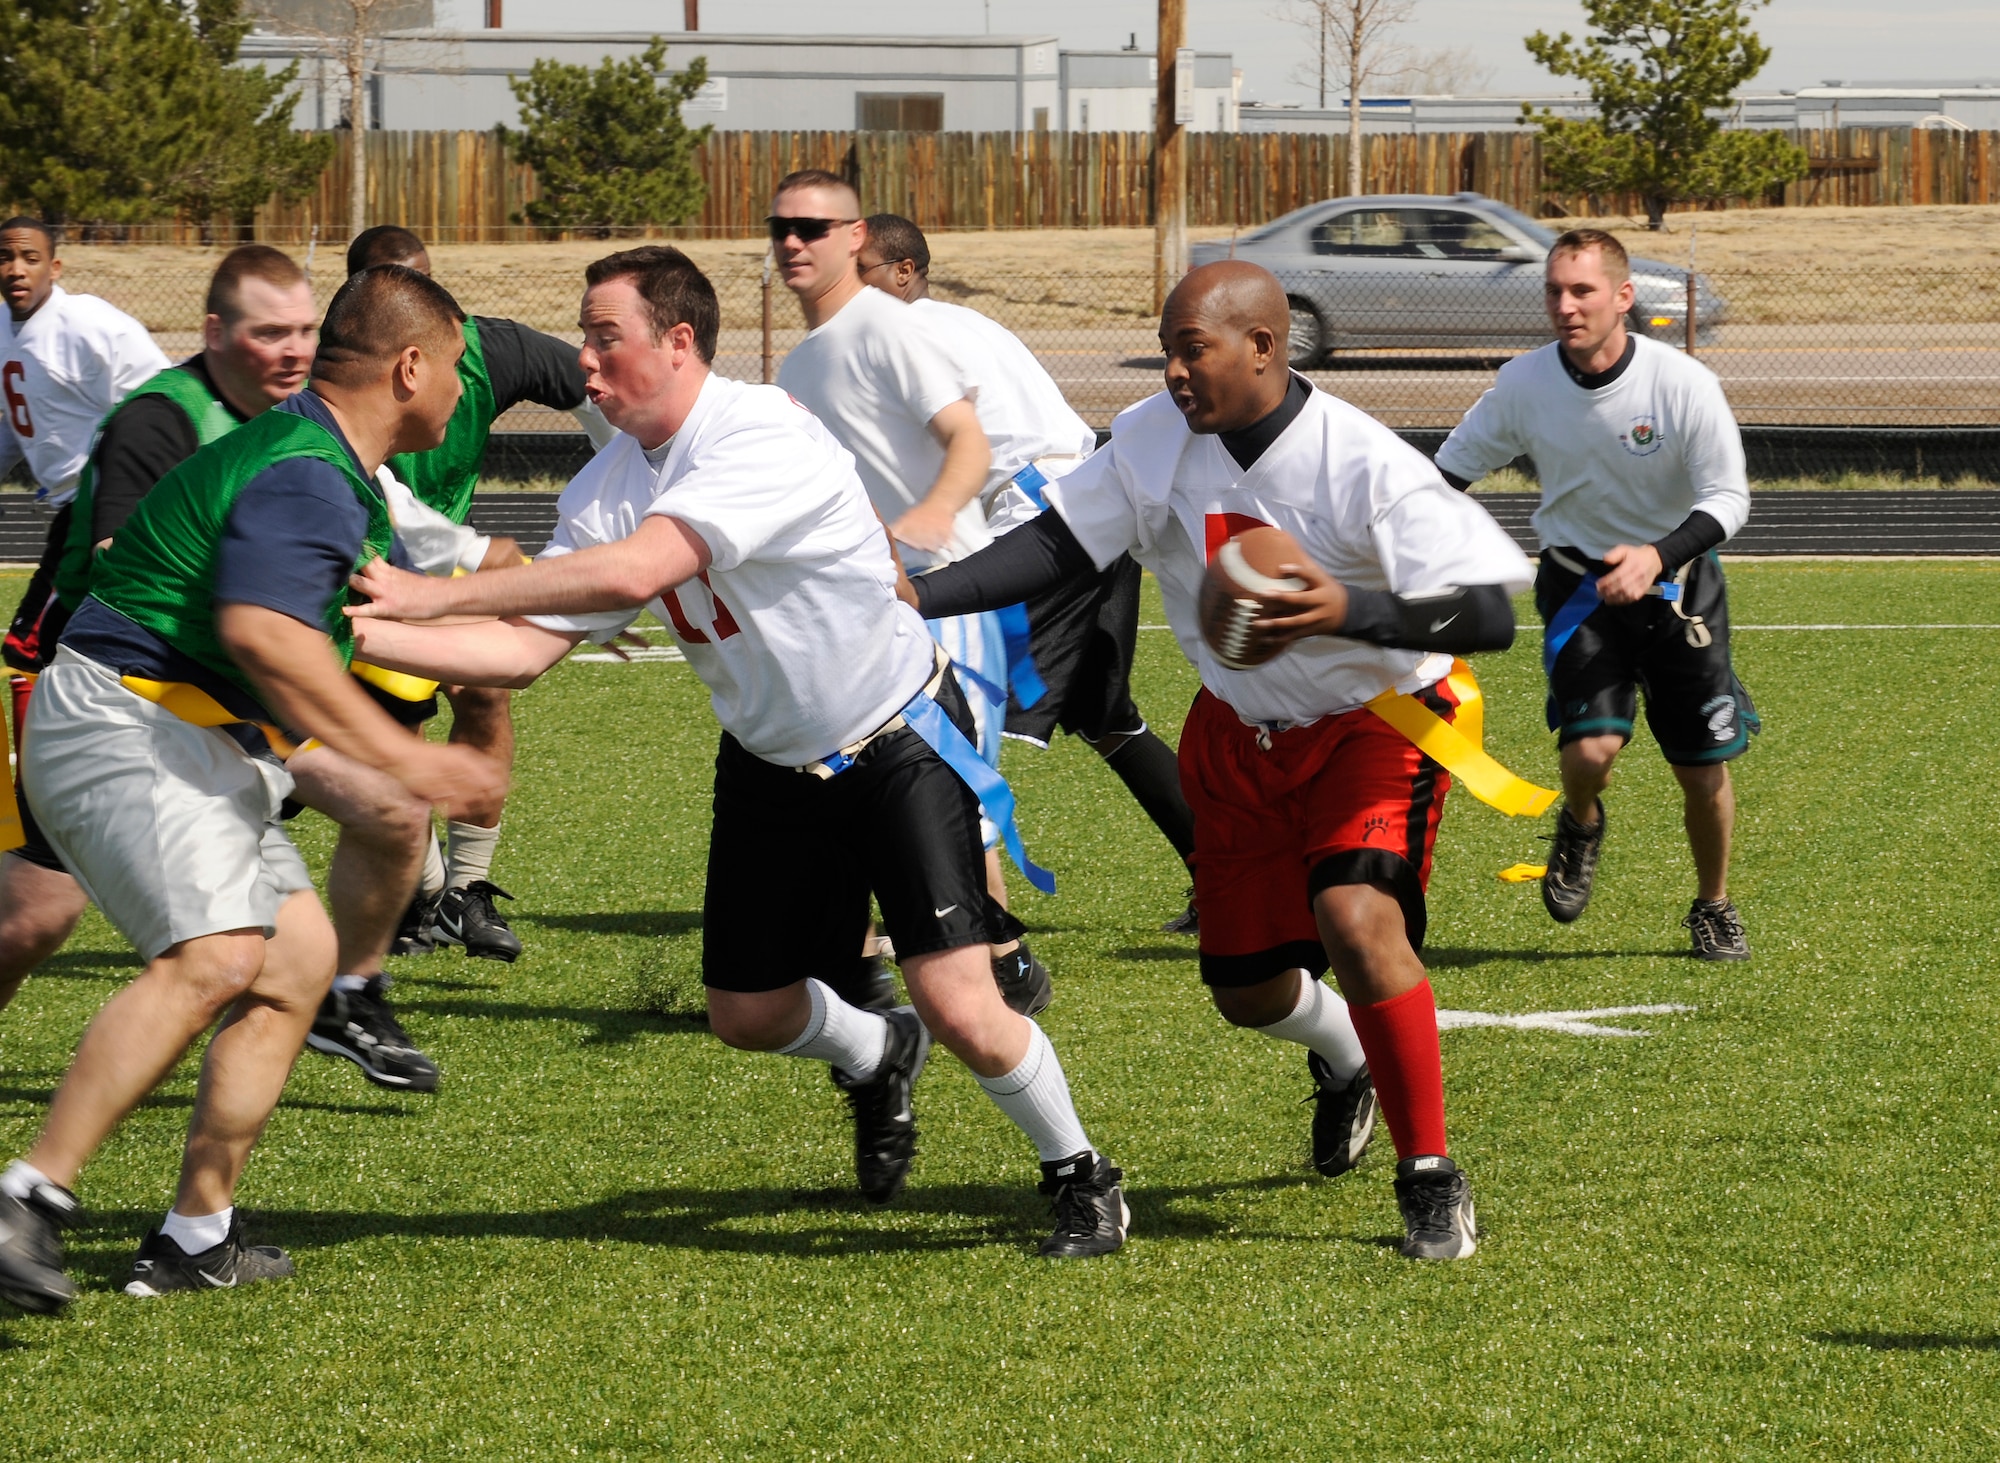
(526,365)
(1455,480)
(146,439)
(1699,532)
(1477,617)
(1038,555)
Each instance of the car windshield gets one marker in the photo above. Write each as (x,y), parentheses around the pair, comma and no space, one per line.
(1522,222)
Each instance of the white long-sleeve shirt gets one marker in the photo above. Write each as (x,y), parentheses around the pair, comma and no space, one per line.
(1623,464)
(62,370)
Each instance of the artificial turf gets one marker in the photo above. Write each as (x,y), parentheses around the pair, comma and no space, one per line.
(1765,1229)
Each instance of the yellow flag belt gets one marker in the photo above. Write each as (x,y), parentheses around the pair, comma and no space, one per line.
(1458,745)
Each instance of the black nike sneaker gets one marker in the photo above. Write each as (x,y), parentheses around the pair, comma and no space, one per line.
(359,1026)
(413,932)
(1023,980)
(467,917)
(885,1127)
(164,1266)
(1717,930)
(1187,922)
(1572,865)
(1343,1117)
(1436,1200)
(1089,1199)
(31,1249)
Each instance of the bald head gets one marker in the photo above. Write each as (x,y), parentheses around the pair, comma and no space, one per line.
(1233,294)
(1225,329)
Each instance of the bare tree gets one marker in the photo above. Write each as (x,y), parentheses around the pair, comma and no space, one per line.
(1352,46)
(350,33)
(1454,71)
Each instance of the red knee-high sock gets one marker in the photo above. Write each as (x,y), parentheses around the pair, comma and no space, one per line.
(1400,1037)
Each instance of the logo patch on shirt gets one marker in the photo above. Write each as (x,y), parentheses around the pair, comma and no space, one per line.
(1642,438)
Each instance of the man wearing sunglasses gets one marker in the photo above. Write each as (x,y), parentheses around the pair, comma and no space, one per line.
(904,407)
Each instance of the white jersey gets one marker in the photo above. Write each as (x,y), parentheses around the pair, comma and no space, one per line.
(1021,408)
(434,543)
(1624,464)
(1363,504)
(795,626)
(876,378)
(63,370)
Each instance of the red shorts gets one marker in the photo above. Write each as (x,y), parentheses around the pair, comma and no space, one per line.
(1346,800)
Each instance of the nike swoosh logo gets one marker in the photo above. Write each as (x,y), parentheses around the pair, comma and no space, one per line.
(941,913)
(229,1284)
(1437,625)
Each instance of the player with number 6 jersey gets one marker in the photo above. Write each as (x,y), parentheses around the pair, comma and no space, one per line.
(1314,815)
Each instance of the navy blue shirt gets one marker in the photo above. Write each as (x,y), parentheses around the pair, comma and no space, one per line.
(288,544)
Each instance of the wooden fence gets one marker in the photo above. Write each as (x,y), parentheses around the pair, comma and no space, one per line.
(464,186)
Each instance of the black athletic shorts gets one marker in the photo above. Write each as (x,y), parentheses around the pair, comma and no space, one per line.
(1676,652)
(34,848)
(404,713)
(1083,635)
(793,859)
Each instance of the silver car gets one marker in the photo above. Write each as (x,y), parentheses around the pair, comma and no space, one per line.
(1432,271)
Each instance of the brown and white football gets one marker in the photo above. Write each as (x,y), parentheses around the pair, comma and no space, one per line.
(1240,574)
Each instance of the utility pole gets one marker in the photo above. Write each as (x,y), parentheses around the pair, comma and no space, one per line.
(1169,155)
(690,14)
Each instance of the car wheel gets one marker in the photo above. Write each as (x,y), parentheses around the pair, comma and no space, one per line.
(1304,348)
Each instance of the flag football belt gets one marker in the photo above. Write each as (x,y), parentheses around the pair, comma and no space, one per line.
(197,708)
(396,683)
(12,834)
(922,715)
(1584,599)
(1458,745)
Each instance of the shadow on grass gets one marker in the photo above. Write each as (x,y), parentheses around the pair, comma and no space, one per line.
(1156,952)
(609,1027)
(823,1222)
(651,923)
(1906,1340)
(39,1098)
(87,965)
(1460,959)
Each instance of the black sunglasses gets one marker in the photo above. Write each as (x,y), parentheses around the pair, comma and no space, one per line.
(809,230)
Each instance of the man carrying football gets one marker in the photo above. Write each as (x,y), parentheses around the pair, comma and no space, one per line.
(1314,817)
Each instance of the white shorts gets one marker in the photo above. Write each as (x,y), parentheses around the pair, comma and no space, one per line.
(171,828)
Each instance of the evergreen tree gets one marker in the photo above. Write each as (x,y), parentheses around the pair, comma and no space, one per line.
(1663,73)
(125,111)
(608,147)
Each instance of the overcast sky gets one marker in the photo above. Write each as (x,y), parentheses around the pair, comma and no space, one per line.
(1811,40)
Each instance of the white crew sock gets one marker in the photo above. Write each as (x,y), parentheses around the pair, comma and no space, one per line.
(845,1036)
(471,856)
(202,1232)
(1036,1096)
(1320,1021)
(21,1179)
(431,882)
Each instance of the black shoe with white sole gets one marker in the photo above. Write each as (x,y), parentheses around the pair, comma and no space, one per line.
(1089,1199)
(163,1266)
(1187,922)
(467,917)
(1436,1200)
(885,1125)
(1023,980)
(1343,1117)
(413,931)
(31,1249)
(1572,865)
(1717,930)
(359,1026)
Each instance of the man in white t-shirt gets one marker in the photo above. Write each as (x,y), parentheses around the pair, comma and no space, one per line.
(737,519)
(902,405)
(1641,467)
(1081,634)
(1314,817)
(68,360)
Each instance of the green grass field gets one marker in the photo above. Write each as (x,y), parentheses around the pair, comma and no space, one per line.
(1766,1229)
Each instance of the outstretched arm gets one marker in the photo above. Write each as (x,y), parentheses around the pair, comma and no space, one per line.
(660,554)
(489,653)
(1037,556)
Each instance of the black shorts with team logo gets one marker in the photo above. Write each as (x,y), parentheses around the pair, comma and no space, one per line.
(1677,652)
(1083,635)
(793,859)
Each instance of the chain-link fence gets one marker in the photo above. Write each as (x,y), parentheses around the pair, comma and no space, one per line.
(1909,349)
